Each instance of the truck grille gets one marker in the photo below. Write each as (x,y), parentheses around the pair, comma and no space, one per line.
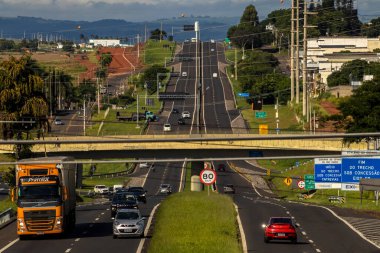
(42,220)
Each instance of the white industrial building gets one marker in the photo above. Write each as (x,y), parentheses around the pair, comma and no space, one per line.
(328,54)
(105,42)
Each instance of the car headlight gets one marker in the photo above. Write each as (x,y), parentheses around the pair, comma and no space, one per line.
(113,208)
(140,223)
(116,223)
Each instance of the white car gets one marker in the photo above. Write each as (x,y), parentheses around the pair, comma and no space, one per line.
(212,50)
(101,189)
(184,74)
(165,189)
(212,41)
(167,127)
(58,122)
(215,75)
(186,115)
(143,165)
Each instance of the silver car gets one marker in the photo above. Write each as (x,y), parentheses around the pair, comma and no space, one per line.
(165,189)
(128,223)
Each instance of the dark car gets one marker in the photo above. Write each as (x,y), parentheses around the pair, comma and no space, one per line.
(175,110)
(181,121)
(280,228)
(139,192)
(123,200)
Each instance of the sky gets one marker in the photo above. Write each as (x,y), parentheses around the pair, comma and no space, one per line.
(148,10)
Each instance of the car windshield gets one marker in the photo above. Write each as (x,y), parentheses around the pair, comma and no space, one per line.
(136,189)
(101,186)
(164,186)
(127,216)
(280,220)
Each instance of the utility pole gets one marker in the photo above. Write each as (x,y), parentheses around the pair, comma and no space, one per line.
(297,73)
(145,34)
(84,116)
(51,93)
(97,85)
(137,111)
(304,65)
(161,32)
(236,64)
(138,46)
(292,55)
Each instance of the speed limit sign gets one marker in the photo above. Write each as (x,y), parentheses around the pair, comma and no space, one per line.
(207,177)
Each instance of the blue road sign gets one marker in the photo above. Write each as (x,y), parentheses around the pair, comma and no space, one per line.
(353,169)
(327,170)
(243,94)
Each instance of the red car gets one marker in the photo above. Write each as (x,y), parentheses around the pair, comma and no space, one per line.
(280,228)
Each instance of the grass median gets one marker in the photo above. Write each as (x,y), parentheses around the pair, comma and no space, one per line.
(195,222)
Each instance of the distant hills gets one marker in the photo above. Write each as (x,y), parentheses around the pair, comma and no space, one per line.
(48,29)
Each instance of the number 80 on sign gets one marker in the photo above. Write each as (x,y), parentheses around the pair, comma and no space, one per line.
(207,177)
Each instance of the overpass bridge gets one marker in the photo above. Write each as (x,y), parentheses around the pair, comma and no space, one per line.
(320,142)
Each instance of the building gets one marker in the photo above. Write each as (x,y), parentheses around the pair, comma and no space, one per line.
(105,42)
(328,54)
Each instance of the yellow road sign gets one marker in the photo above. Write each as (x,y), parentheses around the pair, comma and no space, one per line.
(288,181)
(268,172)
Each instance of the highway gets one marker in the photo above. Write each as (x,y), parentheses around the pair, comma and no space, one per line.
(319,230)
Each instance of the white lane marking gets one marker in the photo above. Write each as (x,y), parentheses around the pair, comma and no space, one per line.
(181,180)
(97,219)
(146,175)
(242,234)
(9,245)
(68,250)
(142,241)
(108,209)
(347,223)
(77,240)
(318,250)
(311,241)
(303,232)
(102,214)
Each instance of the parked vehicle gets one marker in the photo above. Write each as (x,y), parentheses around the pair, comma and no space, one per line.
(128,222)
(45,194)
(175,111)
(149,116)
(184,74)
(165,189)
(123,200)
(58,122)
(280,228)
(101,189)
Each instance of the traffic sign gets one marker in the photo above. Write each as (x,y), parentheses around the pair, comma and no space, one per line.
(327,171)
(301,184)
(260,115)
(355,168)
(207,177)
(243,94)
(288,181)
(309,182)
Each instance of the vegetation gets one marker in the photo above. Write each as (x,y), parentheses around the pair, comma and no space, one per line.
(281,169)
(156,52)
(197,216)
(158,34)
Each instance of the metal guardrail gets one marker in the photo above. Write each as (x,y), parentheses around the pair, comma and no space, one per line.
(7,217)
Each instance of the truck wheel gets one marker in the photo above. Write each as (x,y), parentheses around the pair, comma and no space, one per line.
(23,237)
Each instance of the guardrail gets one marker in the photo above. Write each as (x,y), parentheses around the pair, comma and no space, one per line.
(7,217)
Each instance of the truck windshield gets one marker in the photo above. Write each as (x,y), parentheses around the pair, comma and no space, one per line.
(39,191)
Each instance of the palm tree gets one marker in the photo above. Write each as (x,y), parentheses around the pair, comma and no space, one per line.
(21,98)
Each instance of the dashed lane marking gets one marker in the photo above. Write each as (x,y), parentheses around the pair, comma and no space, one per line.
(68,250)
(77,240)
(318,250)
(9,245)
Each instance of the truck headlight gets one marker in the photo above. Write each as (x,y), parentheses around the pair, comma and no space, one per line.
(58,222)
(21,223)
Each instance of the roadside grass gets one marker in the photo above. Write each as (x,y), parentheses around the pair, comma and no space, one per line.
(7,203)
(104,168)
(155,52)
(187,187)
(6,158)
(202,224)
(230,54)
(287,119)
(320,197)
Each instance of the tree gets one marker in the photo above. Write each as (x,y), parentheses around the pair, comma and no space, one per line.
(351,71)
(21,98)
(150,77)
(67,46)
(362,109)
(105,59)
(250,16)
(9,177)
(157,34)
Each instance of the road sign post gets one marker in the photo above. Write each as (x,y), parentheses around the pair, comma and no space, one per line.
(309,182)
(207,177)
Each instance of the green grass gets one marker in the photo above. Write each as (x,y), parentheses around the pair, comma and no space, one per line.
(155,53)
(188,178)
(105,168)
(320,196)
(202,224)
(288,121)
(6,158)
(7,203)
(230,54)
(89,183)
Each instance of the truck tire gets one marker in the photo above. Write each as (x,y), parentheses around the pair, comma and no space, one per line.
(23,237)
